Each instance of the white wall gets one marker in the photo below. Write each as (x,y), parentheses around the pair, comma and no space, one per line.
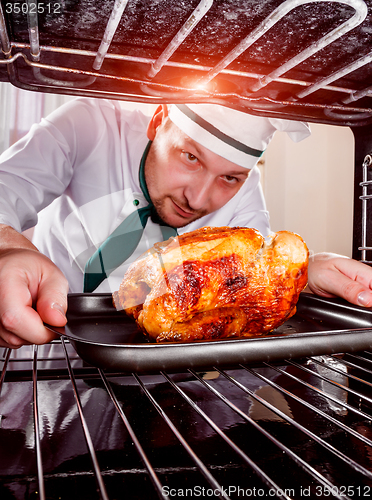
(309,187)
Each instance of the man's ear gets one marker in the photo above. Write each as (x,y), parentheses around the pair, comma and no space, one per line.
(157,119)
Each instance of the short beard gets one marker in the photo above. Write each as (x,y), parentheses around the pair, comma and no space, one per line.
(157,219)
(160,216)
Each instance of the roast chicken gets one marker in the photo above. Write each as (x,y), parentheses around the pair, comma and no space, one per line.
(215,283)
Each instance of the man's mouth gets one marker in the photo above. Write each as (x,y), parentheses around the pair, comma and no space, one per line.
(183,213)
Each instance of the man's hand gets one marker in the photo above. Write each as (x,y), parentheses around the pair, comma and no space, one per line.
(32,291)
(332,275)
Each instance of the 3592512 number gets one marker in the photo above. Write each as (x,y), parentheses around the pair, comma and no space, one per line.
(30,7)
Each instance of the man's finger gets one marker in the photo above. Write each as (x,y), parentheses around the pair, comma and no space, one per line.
(12,341)
(338,284)
(21,324)
(355,270)
(52,300)
(18,318)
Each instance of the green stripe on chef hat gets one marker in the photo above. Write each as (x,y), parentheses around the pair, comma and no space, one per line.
(236,136)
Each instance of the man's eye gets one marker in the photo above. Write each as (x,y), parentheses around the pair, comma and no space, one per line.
(190,157)
(230,179)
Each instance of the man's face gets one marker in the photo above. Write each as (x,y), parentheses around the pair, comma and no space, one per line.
(186,180)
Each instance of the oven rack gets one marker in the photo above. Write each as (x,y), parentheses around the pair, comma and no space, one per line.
(309,84)
(365,199)
(284,431)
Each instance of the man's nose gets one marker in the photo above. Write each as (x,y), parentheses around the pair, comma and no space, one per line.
(199,191)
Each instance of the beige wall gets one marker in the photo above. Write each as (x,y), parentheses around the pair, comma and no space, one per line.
(309,187)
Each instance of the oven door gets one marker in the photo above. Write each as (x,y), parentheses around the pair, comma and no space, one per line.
(293,429)
(303,59)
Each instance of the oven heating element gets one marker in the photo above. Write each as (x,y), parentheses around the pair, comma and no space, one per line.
(298,428)
(182,60)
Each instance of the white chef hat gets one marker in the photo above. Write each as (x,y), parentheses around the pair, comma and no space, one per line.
(234,135)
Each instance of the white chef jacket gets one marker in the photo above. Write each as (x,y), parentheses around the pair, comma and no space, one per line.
(76,174)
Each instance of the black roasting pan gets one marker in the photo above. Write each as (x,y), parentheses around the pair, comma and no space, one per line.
(106,338)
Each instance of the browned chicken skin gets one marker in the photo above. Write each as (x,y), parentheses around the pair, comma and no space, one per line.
(214,283)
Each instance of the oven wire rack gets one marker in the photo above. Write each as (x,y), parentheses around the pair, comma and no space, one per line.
(279,430)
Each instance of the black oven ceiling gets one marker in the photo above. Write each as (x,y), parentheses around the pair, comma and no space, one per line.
(300,59)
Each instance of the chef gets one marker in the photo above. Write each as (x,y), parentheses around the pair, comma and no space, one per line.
(104,184)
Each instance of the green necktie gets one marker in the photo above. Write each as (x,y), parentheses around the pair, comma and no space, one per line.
(123,241)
